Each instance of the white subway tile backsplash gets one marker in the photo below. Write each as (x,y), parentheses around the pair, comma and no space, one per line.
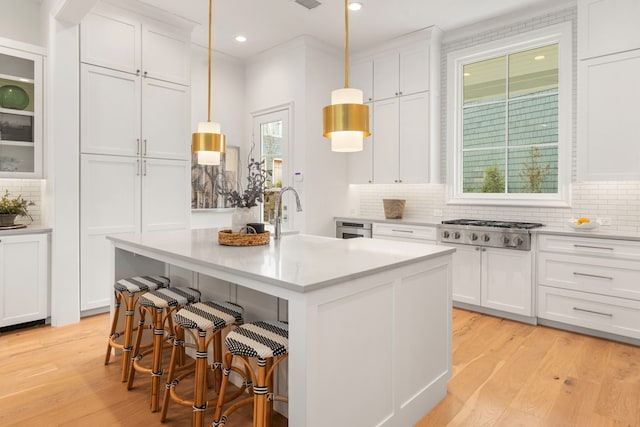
(618,201)
(29,189)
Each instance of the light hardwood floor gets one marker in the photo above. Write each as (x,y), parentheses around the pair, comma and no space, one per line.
(505,374)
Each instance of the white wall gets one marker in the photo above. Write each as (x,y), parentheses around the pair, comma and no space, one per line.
(303,72)
(20,20)
(227,102)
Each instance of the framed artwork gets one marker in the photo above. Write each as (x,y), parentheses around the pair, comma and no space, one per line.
(207,180)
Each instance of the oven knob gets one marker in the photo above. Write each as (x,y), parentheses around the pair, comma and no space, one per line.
(518,241)
(474,237)
(505,240)
(486,238)
(445,234)
(456,235)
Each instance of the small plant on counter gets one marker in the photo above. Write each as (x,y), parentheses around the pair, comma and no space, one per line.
(15,206)
(254,192)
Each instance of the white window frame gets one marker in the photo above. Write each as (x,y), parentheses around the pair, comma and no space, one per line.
(561,34)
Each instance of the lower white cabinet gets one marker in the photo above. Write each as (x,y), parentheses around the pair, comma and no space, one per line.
(24,273)
(125,194)
(495,278)
(590,282)
(404,232)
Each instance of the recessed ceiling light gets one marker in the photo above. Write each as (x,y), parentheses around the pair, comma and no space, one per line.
(466,74)
(355,6)
(539,57)
(241,39)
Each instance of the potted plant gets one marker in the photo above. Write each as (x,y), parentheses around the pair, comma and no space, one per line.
(249,197)
(12,207)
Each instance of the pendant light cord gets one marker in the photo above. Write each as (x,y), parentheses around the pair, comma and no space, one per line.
(346,44)
(209,62)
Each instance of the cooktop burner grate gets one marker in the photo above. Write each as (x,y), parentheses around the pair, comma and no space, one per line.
(497,224)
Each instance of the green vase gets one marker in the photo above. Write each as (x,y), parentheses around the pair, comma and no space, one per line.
(13,97)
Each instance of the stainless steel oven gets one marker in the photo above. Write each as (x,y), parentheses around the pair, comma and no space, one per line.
(353,229)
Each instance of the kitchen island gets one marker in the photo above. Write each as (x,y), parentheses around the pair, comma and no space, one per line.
(369,320)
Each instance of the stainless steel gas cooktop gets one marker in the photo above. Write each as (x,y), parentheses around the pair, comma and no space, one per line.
(478,232)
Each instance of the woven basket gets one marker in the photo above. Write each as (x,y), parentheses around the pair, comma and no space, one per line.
(251,238)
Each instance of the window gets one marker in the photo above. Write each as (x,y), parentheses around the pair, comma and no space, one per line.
(510,114)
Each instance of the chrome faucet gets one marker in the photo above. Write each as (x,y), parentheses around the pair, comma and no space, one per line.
(278,220)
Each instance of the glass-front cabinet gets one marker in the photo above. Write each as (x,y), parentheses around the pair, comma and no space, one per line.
(20,114)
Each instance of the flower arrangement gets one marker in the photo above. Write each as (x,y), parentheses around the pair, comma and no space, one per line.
(16,206)
(254,191)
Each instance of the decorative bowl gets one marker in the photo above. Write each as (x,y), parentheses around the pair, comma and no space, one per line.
(13,97)
(584,226)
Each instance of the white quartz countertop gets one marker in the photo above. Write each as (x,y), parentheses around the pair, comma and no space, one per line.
(298,262)
(599,233)
(30,229)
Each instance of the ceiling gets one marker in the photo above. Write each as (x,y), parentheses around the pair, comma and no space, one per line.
(268,23)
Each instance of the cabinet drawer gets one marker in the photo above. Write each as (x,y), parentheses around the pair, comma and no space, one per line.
(619,278)
(405,231)
(623,249)
(606,314)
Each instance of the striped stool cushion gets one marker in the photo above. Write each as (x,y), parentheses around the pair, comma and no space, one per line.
(259,339)
(169,297)
(141,283)
(209,315)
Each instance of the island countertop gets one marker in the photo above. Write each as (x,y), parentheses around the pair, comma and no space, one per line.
(298,262)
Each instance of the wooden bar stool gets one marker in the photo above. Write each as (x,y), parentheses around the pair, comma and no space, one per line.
(129,290)
(161,305)
(205,322)
(268,342)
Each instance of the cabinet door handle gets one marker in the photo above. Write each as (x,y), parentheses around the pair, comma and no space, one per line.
(584,310)
(144,168)
(144,147)
(402,231)
(575,273)
(137,146)
(137,167)
(593,247)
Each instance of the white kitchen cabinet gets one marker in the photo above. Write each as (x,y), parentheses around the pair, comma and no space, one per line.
(125,194)
(608,137)
(124,114)
(361,77)
(607,26)
(21,116)
(402,72)
(401,135)
(404,232)
(494,278)
(589,282)
(143,48)
(24,272)
(360,163)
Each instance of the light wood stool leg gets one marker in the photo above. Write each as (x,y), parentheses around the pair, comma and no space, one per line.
(114,325)
(128,331)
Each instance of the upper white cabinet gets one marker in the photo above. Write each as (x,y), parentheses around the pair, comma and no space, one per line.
(609,49)
(608,137)
(20,113)
(401,139)
(151,118)
(361,77)
(607,26)
(401,73)
(147,49)
(24,270)
(397,82)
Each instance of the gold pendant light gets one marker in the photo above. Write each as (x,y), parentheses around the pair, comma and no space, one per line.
(208,142)
(346,120)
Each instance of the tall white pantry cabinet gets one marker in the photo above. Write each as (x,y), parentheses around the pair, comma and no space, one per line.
(135,163)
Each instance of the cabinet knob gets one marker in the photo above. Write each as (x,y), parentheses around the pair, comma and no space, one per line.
(137,72)
(396,93)
(145,74)
(400,92)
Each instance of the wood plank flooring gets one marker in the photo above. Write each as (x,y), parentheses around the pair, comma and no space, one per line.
(505,374)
